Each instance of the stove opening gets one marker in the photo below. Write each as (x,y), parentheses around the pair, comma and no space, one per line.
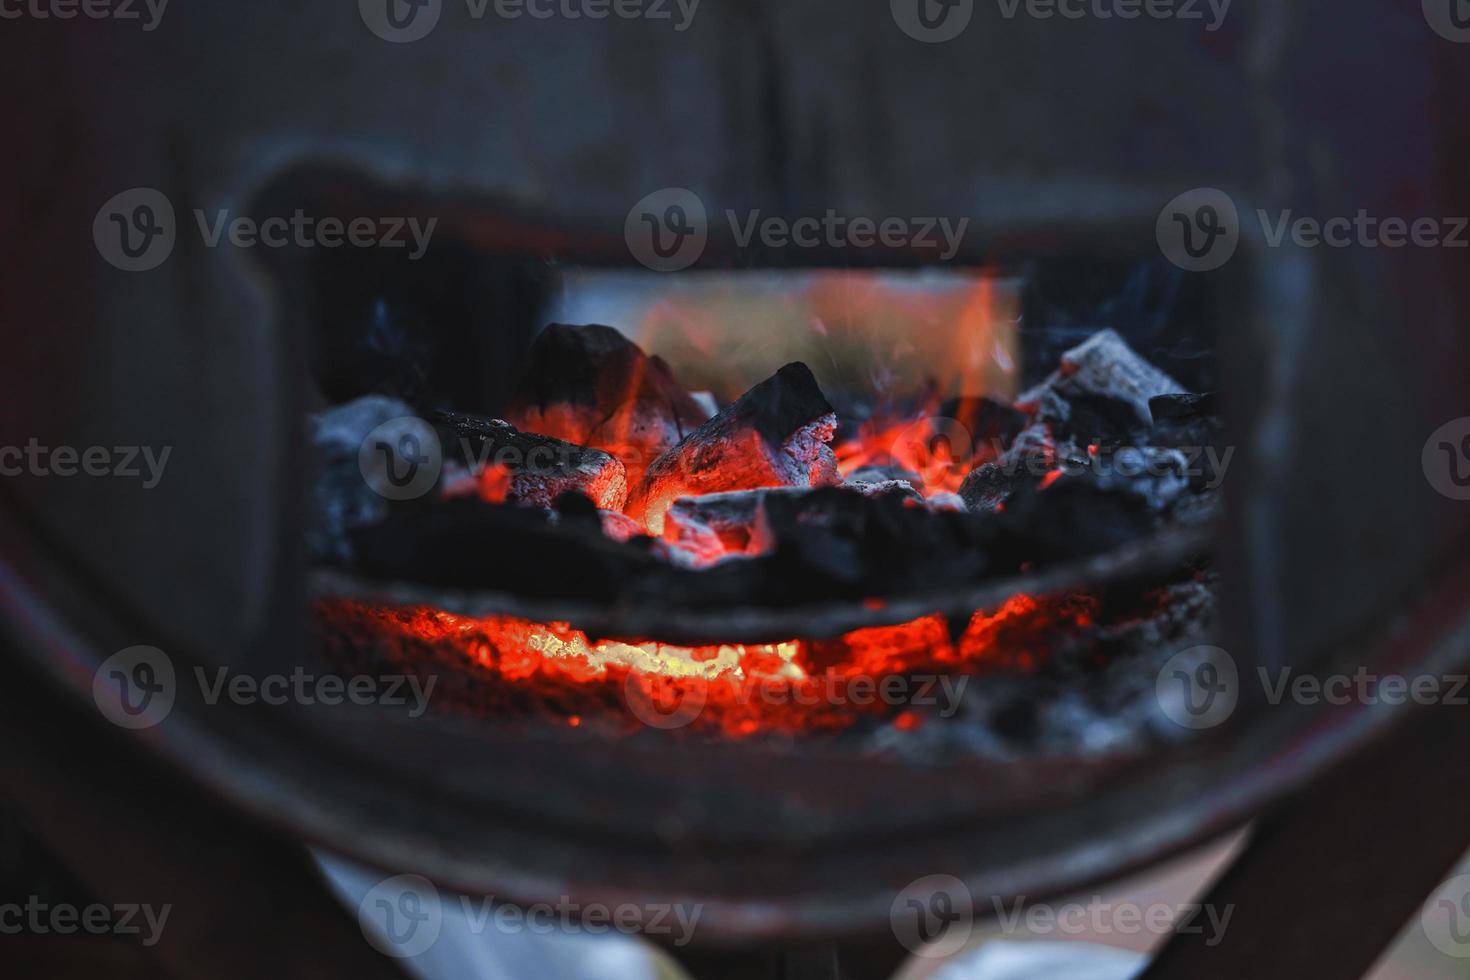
(959,509)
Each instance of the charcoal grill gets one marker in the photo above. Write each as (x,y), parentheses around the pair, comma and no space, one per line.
(1055,137)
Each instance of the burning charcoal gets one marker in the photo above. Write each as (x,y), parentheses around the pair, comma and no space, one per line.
(989,485)
(1157,476)
(947,501)
(618,526)
(1104,420)
(1190,423)
(341,498)
(881,543)
(1106,367)
(719,523)
(878,488)
(541,468)
(1086,508)
(883,474)
(833,543)
(1030,458)
(592,386)
(775,435)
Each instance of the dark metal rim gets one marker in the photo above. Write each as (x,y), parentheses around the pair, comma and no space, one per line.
(351,809)
(1158,555)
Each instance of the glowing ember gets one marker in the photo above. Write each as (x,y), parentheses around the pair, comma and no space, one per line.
(510,667)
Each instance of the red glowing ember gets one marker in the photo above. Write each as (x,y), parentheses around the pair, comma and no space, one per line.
(511,667)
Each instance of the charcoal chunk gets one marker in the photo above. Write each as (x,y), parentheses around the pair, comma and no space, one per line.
(1074,517)
(1189,423)
(775,435)
(989,485)
(592,386)
(1104,366)
(1087,507)
(833,543)
(463,542)
(1185,406)
(991,424)
(540,468)
(720,525)
(883,474)
(1156,475)
(341,498)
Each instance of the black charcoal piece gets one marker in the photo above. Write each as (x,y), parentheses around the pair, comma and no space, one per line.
(1104,366)
(341,498)
(593,386)
(541,468)
(776,434)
